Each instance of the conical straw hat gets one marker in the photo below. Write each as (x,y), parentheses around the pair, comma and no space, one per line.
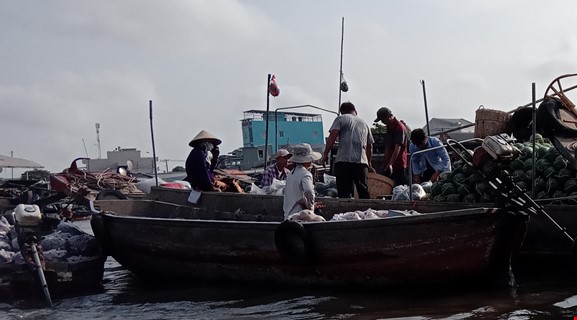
(204,135)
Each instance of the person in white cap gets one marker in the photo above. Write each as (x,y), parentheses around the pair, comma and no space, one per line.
(278,170)
(199,164)
(299,191)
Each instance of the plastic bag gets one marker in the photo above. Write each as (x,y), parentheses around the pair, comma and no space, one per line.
(254,189)
(402,192)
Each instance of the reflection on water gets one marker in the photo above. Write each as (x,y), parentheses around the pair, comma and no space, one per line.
(125,296)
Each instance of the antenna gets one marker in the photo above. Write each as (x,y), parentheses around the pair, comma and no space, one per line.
(85,151)
(98,140)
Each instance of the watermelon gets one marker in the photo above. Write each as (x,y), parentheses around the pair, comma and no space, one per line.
(560,163)
(471,197)
(454,197)
(436,189)
(517,164)
(448,188)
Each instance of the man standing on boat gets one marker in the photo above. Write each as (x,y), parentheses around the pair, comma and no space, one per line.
(430,164)
(395,160)
(199,164)
(353,158)
(278,170)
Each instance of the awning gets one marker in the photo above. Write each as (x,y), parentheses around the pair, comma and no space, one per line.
(11,162)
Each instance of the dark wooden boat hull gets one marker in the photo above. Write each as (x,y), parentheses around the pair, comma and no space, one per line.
(63,279)
(166,241)
(543,240)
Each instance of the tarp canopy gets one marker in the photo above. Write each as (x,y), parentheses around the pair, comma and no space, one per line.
(11,162)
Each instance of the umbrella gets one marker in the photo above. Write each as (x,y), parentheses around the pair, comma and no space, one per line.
(11,162)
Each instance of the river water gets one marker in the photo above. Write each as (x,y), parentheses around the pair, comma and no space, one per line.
(125,296)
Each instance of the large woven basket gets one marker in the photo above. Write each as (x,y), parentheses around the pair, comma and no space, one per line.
(490,122)
(379,185)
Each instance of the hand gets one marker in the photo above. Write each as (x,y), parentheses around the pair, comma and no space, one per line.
(435,176)
(215,152)
(319,205)
(324,159)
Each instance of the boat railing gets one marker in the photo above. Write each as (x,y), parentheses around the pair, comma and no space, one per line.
(428,150)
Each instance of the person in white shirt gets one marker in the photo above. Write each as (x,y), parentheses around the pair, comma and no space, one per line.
(299,192)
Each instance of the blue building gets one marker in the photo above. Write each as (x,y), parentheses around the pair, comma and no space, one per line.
(284,129)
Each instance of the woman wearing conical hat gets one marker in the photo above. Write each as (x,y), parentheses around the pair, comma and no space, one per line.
(199,165)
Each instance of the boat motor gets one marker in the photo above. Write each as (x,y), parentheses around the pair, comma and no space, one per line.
(30,227)
(491,160)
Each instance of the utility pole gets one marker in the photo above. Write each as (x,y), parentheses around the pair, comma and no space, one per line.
(98,140)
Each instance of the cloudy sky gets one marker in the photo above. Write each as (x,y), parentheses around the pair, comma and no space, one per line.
(67,65)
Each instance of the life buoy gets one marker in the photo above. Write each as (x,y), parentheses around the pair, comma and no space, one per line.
(293,242)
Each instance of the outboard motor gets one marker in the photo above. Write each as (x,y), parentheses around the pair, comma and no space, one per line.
(29,227)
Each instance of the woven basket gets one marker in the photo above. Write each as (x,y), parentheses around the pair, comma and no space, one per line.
(379,185)
(490,122)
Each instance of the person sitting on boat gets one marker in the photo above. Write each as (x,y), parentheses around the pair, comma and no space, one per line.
(278,170)
(395,159)
(201,161)
(430,164)
(299,192)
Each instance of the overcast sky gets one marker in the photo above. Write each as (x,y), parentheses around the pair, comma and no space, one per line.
(67,65)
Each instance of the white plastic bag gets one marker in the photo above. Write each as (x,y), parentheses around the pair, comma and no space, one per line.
(254,189)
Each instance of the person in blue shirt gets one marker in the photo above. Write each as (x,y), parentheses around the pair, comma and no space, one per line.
(430,164)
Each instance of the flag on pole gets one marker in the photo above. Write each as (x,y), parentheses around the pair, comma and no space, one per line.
(273,88)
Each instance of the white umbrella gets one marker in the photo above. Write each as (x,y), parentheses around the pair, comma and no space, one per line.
(11,162)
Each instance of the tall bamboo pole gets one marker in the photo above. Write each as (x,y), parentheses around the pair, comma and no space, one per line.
(341,63)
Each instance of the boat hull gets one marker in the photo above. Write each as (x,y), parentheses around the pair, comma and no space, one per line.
(543,240)
(165,241)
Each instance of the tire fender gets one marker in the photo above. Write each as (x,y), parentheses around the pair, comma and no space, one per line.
(293,242)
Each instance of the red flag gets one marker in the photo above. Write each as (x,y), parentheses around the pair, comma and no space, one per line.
(273,88)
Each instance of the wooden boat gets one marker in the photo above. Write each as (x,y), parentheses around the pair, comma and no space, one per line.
(162,240)
(72,264)
(63,278)
(542,242)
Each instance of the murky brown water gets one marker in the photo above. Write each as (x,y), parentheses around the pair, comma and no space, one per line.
(126,297)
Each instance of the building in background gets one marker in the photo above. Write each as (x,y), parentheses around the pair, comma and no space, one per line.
(119,157)
(465,128)
(284,129)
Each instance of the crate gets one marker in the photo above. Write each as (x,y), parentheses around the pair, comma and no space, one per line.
(490,122)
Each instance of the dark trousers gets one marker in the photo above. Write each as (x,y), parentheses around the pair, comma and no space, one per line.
(350,174)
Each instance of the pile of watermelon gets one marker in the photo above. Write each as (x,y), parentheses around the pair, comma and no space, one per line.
(554,177)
